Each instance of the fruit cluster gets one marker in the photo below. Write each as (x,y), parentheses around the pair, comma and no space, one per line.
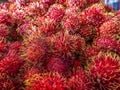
(59,45)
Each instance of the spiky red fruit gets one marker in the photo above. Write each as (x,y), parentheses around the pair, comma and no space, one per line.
(48,26)
(4,31)
(110,27)
(79,81)
(76,3)
(56,64)
(107,43)
(49,82)
(31,75)
(11,63)
(34,51)
(92,1)
(71,23)
(66,45)
(105,72)
(56,12)
(6,83)
(87,32)
(91,51)
(93,15)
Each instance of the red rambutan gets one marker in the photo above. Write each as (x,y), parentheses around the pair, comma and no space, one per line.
(71,23)
(107,43)
(34,51)
(66,45)
(31,75)
(105,72)
(76,3)
(110,27)
(79,81)
(4,31)
(11,63)
(89,2)
(49,81)
(93,15)
(56,64)
(56,12)
(49,26)
(6,83)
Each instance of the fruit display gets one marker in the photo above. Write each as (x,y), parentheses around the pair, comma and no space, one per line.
(59,45)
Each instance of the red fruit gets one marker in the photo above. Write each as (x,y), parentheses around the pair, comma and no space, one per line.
(107,43)
(11,63)
(31,75)
(79,81)
(92,1)
(93,15)
(48,2)
(49,26)
(56,64)
(49,82)
(63,2)
(34,51)
(5,18)
(56,12)
(111,27)
(66,45)
(74,11)
(91,51)
(105,72)
(6,83)
(15,46)
(87,32)
(76,3)
(71,23)
(3,46)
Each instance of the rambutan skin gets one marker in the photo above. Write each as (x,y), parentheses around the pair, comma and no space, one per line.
(110,27)
(93,15)
(76,3)
(79,81)
(107,43)
(65,45)
(49,81)
(105,72)
(56,12)
(6,82)
(71,23)
(11,63)
(56,64)
(34,50)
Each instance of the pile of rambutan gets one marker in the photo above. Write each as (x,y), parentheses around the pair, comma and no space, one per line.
(59,45)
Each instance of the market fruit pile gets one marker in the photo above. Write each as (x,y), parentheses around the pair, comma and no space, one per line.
(59,45)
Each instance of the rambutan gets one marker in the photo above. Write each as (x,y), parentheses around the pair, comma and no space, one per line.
(49,81)
(34,50)
(4,31)
(87,32)
(56,12)
(107,43)
(11,63)
(79,81)
(76,3)
(71,23)
(93,15)
(48,26)
(6,82)
(105,72)
(89,2)
(56,64)
(31,75)
(66,45)
(110,27)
